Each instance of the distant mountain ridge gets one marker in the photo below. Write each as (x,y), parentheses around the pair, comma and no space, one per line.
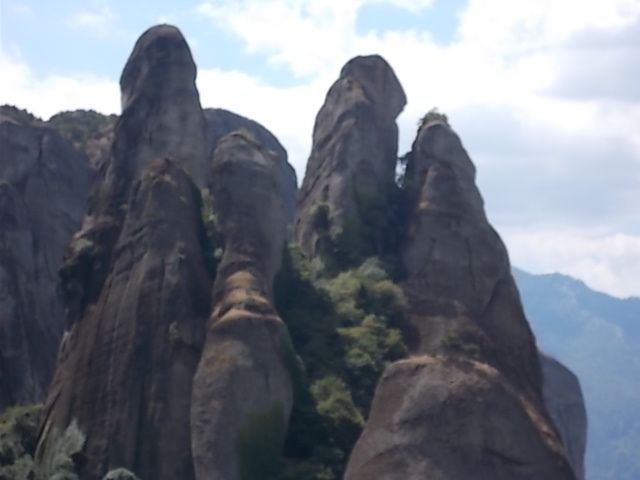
(597,336)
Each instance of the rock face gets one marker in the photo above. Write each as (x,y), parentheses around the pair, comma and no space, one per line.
(221,122)
(242,394)
(44,183)
(468,403)
(161,113)
(90,132)
(353,159)
(565,403)
(136,283)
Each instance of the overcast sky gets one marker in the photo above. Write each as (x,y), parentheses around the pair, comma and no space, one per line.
(544,93)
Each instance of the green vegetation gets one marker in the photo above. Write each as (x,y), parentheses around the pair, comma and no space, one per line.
(120,474)
(433,116)
(454,341)
(211,239)
(61,457)
(259,445)
(18,438)
(19,115)
(345,328)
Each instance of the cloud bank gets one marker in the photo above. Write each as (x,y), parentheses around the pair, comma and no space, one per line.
(543,93)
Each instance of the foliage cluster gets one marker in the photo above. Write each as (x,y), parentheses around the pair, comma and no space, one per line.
(62,458)
(345,328)
(259,444)
(19,115)
(120,474)
(433,116)
(18,437)
(212,239)
(374,232)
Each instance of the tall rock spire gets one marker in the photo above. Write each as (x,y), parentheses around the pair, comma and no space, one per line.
(243,392)
(468,402)
(136,283)
(352,162)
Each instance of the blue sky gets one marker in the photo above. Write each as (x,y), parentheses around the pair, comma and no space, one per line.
(544,94)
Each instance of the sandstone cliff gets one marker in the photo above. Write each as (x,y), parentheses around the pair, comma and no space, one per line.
(44,183)
(565,403)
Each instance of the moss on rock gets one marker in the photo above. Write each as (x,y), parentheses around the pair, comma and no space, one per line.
(259,444)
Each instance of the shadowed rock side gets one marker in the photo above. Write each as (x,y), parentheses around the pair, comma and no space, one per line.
(136,284)
(565,403)
(353,158)
(242,393)
(89,131)
(221,122)
(44,183)
(468,403)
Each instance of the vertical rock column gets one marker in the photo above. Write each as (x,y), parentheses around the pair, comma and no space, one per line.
(136,284)
(351,171)
(468,402)
(242,392)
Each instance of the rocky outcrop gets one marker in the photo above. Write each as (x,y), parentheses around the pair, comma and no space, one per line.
(136,282)
(468,402)
(89,131)
(242,394)
(44,183)
(565,403)
(221,122)
(351,170)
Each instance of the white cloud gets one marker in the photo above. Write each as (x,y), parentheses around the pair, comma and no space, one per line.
(606,262)
(94,21)
(507,58)
(21,9)
(288,112)
(47,95)
(521,81)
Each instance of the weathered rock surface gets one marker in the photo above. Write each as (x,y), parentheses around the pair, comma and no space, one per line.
(468,403)
(353,158)
(136,283)
(458,278)
(242,393)
(89,131)
(221,122)
(565,403)
(161,113)
(44,183)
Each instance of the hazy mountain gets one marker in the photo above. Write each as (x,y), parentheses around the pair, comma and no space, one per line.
(598,337)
